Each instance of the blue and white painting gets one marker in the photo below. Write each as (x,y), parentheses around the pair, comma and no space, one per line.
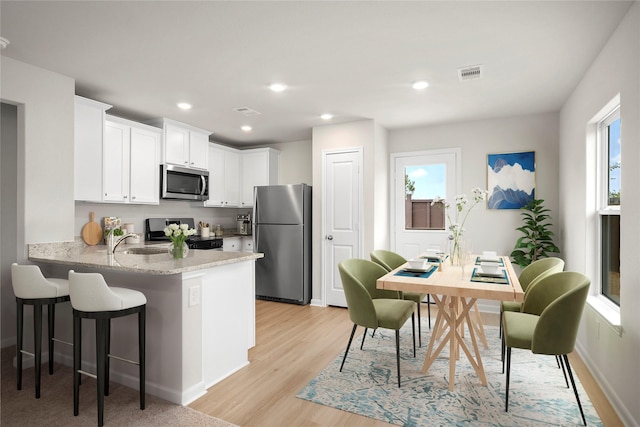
(511,180)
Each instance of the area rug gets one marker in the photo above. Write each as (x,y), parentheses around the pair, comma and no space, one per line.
(368,386)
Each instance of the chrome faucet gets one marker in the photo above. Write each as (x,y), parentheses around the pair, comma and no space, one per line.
(114,241)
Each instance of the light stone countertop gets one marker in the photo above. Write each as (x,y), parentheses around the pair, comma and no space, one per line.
(78,254)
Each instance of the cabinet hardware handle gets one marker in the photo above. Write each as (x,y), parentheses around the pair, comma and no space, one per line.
(329,237)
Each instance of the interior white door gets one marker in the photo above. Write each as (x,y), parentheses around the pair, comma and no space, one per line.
(416,225)
(342,183)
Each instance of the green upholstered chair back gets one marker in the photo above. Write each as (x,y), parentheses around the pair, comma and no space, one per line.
(367,272)
(557,328)
(542,266)
(389,260)
(359,283)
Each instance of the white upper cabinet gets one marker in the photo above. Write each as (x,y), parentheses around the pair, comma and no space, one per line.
(131,162)
(88,139)
(184,145)
(233,174)
(259,167)
(224,177)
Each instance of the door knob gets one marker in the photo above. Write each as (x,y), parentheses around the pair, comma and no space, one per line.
(329,237)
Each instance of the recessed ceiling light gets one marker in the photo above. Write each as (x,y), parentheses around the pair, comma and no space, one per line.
(278,87)
(184,105)
(326,116)
(420,85)
(246,128)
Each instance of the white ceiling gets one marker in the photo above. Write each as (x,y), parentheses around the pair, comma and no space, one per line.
(353,59)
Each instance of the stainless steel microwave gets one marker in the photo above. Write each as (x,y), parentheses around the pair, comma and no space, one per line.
(184,183)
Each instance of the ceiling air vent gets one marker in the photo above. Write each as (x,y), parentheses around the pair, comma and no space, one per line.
(470,73)
(247,111)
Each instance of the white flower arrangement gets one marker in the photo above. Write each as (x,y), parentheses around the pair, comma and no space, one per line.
(178,233)
(456,225)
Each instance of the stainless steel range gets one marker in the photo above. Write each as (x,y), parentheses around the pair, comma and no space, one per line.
(154,231)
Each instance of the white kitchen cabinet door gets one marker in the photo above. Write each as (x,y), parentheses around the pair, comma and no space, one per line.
(115,164)
(232,179)
(216,177)
(88,139)
(224,176)
(231,244)
(198,150)
(144,166)
(176,145)
(259,167)
(131,162)
(247,244)
(184,145)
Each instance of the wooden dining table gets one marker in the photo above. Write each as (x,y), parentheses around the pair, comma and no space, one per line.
(455,295)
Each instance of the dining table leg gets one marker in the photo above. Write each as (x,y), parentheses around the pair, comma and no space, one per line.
(454,313)
(453,348)
(479,327)
(442,321)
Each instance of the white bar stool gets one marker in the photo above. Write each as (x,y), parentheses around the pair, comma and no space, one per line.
(91,298)
(32,288)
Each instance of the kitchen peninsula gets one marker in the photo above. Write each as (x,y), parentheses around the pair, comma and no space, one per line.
(200,313)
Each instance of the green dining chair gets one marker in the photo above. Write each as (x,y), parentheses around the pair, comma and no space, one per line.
(371,307)
(530,274)
(390,261)
(549,322)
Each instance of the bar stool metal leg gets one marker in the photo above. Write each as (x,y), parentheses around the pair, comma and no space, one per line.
(19,343)
(37,344)
(77,357)
(107,352)
(51,314)
(101,364)
(142,352)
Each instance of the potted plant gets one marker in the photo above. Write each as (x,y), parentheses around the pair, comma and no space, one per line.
(537,241)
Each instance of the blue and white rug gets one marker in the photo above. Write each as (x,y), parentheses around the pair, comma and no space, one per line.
(368,386)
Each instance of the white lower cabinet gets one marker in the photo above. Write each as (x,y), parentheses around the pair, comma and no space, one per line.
(232,244)
(131,162)
(247,244)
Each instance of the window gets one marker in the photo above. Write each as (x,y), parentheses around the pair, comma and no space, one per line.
(417,178)
(422,184)
(609,199)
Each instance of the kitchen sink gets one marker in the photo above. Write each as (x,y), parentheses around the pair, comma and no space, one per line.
(145,251)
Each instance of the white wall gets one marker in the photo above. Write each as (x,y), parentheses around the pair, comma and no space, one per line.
(8,209)
(44,172)
(611,358)
(45,142)
(296,163)
(372,139)
(490,228)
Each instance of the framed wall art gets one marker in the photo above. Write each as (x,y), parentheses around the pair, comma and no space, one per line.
(511,179)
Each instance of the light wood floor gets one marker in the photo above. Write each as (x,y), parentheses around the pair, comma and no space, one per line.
(293,344)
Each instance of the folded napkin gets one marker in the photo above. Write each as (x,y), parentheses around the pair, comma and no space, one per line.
(496,260)
(435,258)
(422,275)
(500,277)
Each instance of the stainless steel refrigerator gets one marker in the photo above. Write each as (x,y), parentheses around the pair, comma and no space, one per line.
(282,231)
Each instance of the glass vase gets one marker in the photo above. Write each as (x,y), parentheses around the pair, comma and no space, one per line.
(455,254)
(178,250)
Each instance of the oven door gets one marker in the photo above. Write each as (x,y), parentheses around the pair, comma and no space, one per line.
(184,183)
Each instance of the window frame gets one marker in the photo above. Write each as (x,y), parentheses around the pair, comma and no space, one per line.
(605,305)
